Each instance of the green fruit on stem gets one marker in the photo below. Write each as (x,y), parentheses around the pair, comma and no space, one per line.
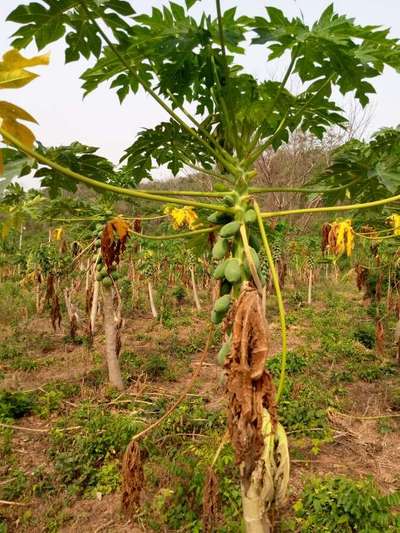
(98,243)
(116,275)
(99,276)
(99,266)
(104,271)
(224,352)
(219,270)
(222,304)
(107,282)
(256,261)
(219,218)
(220,249)
(225,288)
(230,229)
(250,216)
(216,318)
(233,270)
(228,200)
(255,242)
(220,187)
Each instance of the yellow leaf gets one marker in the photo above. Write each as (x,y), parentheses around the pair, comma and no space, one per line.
(395,223)
(13,58)
(13,112)
(57,234)
(12,72)
(21,132)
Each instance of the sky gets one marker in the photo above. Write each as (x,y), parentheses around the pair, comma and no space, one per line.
(55,99)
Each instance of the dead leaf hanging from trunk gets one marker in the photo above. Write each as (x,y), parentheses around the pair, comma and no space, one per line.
(250,387)
(113,240)
(210,501)
(132,478)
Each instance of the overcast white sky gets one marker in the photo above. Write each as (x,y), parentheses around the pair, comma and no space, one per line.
(55,99)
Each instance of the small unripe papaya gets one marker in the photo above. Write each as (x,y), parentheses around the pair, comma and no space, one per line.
(250,216)
(225,288)
(98,243)
(230,229)
(228,200)
(224,352)
(219,218)
(219,270)
(220,248)
(222,304)
(107,282)
(232,270)
(216,318)
(99,276)
(104,271)
(254,242)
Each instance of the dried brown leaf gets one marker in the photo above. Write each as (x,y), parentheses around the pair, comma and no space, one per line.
(250,387)
(132,478)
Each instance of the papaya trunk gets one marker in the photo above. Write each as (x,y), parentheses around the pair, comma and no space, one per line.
(310,285)
(151,299)
(194,288)
(95,303)
(111,334)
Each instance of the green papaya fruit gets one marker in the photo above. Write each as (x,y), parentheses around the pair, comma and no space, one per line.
(255,242)
(219,270)
(220,187)
(216,318)
(222,304)
(230,229)
(220,248)
(219,218)
(225,288)
(99,276)
(107,282)
(224,352)
(98,243)
(232,270)
(250,216)
(228,200)
(256,261)
(104,271)
(99,266)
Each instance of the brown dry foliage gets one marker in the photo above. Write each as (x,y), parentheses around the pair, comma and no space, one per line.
(55,312)
(250,388)
(210,501)
(379,336)
(132,478)
(362,276)
(113,240)
(326,228)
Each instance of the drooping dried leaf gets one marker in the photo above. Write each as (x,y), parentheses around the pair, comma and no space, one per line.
(132,478)
(379,336)
(326,228)
(55,312)
(250,387)
(210,501)
(362,276)
(113,240)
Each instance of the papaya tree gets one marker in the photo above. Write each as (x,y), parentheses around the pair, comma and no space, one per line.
(221,119)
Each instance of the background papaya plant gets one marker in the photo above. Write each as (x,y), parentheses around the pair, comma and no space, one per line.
(221,120)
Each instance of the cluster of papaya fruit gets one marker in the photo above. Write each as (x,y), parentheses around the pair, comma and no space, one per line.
(233,267)
(104,275)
